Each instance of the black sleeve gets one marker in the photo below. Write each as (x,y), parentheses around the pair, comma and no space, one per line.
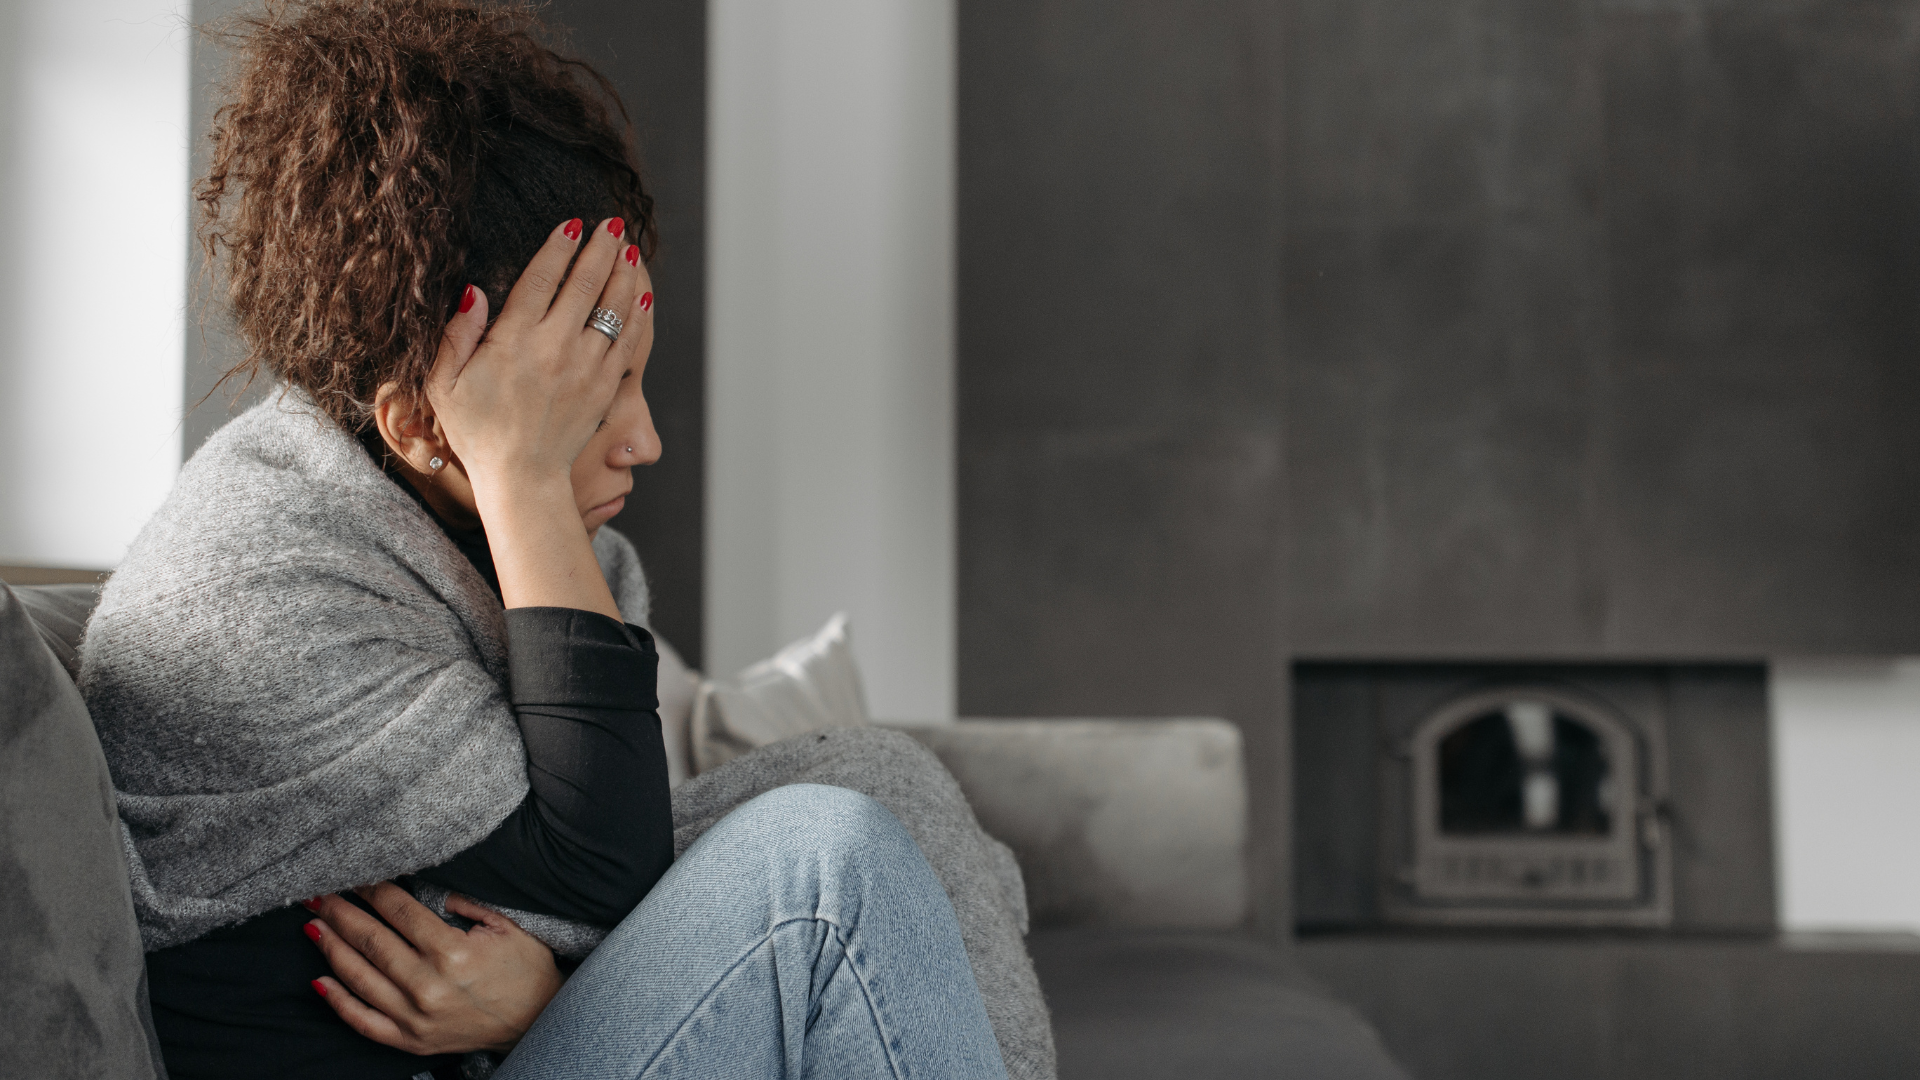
(596,829)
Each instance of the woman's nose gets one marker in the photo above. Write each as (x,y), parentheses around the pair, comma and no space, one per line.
(641,443)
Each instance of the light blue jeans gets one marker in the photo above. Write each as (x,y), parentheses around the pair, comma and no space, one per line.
(803,936)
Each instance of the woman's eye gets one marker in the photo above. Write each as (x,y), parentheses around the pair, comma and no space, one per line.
(603,424)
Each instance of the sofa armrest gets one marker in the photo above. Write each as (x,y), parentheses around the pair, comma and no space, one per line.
(1115,823)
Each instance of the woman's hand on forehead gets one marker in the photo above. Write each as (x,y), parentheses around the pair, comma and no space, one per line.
(519,402)
(523,398)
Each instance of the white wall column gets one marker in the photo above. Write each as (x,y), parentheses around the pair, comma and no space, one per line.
(830,337)
(1846,750)
(93,197)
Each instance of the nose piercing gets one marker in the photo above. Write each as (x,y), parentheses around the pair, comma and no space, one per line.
(435,464)
(629,449)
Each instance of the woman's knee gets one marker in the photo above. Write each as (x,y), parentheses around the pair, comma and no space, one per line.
(815,809)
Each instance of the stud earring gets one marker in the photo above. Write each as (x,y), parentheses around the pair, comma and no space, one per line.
(435,464)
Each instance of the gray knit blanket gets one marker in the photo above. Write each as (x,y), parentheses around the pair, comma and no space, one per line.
(300,682)
(300,685)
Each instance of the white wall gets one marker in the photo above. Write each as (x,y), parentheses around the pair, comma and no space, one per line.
(1846,744)
(830,337)
(93,196)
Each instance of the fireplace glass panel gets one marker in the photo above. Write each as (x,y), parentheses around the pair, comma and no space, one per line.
(1522,806)
(1524,769)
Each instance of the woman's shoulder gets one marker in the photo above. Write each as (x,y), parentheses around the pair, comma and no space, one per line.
(281,508)
(283,447)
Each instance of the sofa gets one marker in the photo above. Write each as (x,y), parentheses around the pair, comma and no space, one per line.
(1130,835)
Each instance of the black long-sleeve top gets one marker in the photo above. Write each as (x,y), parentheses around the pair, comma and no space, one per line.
(593,835)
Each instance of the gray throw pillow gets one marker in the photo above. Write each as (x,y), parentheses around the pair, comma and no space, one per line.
(72,971)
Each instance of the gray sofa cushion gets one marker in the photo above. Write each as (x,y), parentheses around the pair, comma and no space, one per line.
(72,973)
(1116,823)
(1131,1004)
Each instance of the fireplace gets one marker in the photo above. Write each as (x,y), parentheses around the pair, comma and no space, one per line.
(1532,795)
(1527,804)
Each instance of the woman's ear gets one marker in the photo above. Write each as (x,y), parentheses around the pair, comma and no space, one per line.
(408,427)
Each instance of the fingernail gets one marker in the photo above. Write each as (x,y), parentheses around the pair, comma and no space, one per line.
(617,226)
(312,931)
(466,300)
(319,987)
(314,904)
(572,229)
(646,301)
(633,255)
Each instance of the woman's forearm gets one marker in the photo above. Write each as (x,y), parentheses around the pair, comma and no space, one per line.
(540,546)
(596,829)
(519,401)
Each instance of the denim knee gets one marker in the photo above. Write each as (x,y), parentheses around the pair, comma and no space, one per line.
(831,819)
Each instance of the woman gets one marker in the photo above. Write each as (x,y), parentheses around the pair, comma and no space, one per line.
(379,631)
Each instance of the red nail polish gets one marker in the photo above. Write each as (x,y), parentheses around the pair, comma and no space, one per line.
(633,255)
(572,229)
(646,301)
(617,226)
(466,300)
(314,904)
(319,987)
(312,931)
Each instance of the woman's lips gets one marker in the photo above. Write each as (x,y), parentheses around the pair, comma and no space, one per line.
(609,509)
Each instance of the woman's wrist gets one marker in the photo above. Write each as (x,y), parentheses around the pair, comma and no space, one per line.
(541,549)
(503,482)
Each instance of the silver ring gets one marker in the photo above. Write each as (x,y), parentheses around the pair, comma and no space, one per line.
(607,322)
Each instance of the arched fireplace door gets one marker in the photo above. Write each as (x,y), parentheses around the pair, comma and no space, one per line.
(1530,805)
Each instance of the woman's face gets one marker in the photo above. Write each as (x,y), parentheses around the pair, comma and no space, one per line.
(603,473)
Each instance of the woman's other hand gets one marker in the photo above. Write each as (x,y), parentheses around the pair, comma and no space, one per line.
(429,988)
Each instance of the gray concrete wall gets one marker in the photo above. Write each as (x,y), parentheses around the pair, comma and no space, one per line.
(1599,317)
(1557,331)
(1121,449)
(212,347)
(656,56)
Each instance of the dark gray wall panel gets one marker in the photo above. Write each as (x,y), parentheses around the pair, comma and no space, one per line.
(1117,242)
(1444,277)
(212,346)
(1719,746)
(656,55)
(1336,827)
(1122,585)
(1121,472)
(1599,318)
(1764,237)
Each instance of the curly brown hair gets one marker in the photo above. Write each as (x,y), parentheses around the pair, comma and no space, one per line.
(373,157)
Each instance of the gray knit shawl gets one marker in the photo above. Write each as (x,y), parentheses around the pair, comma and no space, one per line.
(300,682)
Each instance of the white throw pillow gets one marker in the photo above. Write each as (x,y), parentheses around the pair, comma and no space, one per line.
(810,685)
(678,686)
